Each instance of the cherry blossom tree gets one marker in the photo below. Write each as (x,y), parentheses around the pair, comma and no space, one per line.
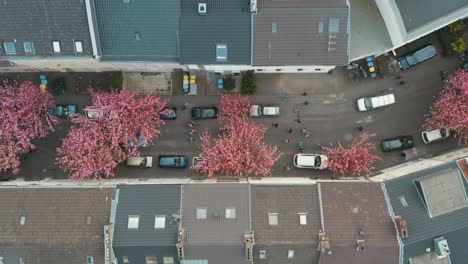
(450,111)
(239,150)
(352,160)
(233,106)
(24,116)
(93,148)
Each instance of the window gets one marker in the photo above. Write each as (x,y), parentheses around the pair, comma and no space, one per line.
(321,26)
(302,218)
(278,70)
(168,260)
(262,254)
(9,47)
(90,260)
(273,219)
(221,52)
(125,260)
(290,253)
(56,45)
(28,47)
(299,70)
(22,220)
(133,221)
(160,221)
(334,25)
(151,260)
(79,46)
(21,260)
(201,213)
(403,201)
(274,27)
(259,70)
(230,213)
(88,220)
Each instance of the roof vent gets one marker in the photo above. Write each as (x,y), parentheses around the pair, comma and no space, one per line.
(441,247)
(253,6)
(202,9)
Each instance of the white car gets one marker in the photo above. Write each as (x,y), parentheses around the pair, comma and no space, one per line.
(434,135)
(267,110)
(310,161)
(369,103)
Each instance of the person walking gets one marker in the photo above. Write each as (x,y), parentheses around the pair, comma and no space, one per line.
(275,125)
(290,130)
(306,103)
(286,141)
(360,128)
(304,94)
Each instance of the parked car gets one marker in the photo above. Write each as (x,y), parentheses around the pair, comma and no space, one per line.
(397,143)
(204,112)
(412,59)
(94,114)
(173,161)
(434,135)
(142,161)
(264,110)
(141,142)
(310,161)
(64,110)
(369,103)
(168,113)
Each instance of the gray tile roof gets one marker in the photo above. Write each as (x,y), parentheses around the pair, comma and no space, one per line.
(287,202)
(216,254)
(156,21)
(416,14)
(42,22)
(215,231)
(421,228)
(298,40)
(147,201)
(349,208)
(227,22)
(56,228)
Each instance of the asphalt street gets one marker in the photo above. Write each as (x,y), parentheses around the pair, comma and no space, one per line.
(330,117)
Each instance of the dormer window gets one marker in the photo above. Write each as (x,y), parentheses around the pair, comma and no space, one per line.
(230,213)
(133,221)
(302,218)
(273,219)
(160,222)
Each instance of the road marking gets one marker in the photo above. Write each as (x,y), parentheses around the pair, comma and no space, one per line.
(367,119)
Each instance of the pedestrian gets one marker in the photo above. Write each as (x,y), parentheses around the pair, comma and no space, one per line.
(192,123)
(402,82)
(296,110)
(275,125)
(290,130)
(403,155)
(298,120)
(193,131)
(285,98)
(307,134)
(304,130)
(306,103)
(304,94)
(360,128)
(286,141)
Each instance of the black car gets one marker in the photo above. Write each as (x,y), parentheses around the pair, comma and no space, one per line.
(397,143)
(204,112)
(168,113)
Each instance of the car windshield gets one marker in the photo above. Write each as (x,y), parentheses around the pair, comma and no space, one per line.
(411,60)
(368,103)
(318,161)
(393,143)
(207,112)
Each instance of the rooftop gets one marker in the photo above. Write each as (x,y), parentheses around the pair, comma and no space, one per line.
(415,14)
(409,201)
(225,26)
(143,30)
(56,225)
(300,32)
(156,213)
(286,217)
(358,212)
(30,26)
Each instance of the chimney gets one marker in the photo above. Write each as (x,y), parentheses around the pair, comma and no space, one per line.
(361,245)
(249,242)
(402,227)
(180,244)
(253,6)
(324,243)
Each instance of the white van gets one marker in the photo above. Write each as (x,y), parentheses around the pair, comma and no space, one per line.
(142,162)
(369,103)
(434,135)
(261,110)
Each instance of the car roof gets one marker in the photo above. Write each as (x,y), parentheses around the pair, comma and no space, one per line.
(381,100)
(425,53)
(433,134)
(306,159)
